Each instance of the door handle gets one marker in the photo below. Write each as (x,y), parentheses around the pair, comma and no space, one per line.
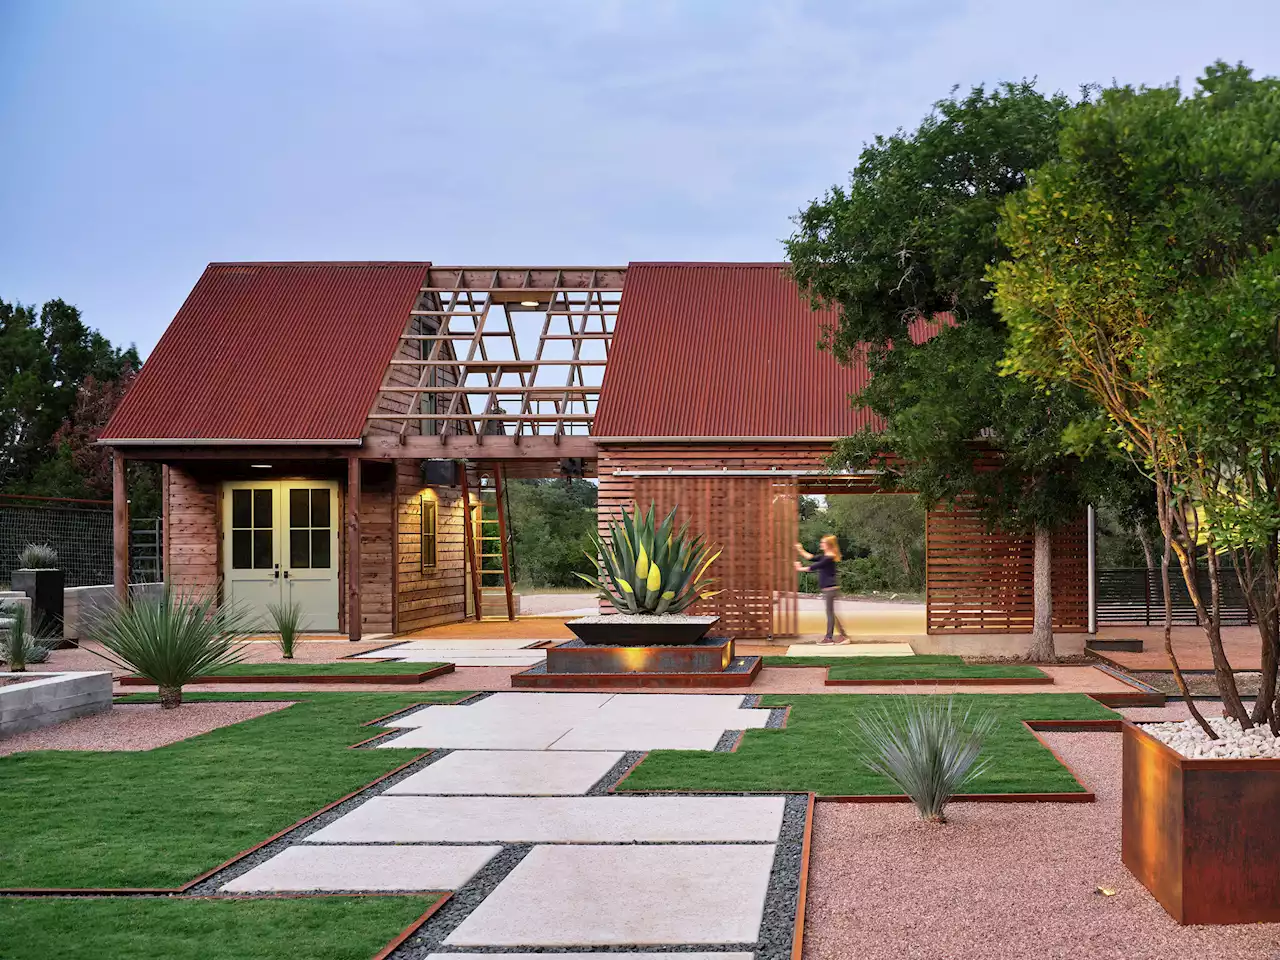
(276,575)
(286,574)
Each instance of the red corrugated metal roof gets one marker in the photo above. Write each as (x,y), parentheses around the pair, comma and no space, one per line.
(272,351)
(725,350)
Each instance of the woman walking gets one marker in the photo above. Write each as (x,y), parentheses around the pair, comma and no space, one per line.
(825,567)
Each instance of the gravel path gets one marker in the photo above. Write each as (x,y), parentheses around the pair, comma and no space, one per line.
(137,727)
(1011,881)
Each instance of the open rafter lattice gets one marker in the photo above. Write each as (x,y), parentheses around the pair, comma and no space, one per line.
(503,351)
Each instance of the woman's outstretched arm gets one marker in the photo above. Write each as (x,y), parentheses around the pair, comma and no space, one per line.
(803,552)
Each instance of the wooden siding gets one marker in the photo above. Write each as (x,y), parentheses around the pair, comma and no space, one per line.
(377,497)
(427,598)
(191,543)
(980,582)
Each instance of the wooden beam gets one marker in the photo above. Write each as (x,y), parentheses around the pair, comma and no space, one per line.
(120,527)
(353,548)
(493,448)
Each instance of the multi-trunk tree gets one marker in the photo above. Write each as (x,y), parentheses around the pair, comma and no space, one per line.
(1143,271)
(908,242)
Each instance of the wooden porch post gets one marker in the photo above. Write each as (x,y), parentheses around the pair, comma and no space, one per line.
(120,527)
(353,548)
(469,539)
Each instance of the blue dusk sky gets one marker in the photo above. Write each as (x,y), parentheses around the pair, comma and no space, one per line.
(142,140)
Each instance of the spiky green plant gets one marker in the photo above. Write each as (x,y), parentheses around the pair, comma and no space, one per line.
(172,640)
(20,643)
(288,621)
(648,568)
(927,747)
(37,556)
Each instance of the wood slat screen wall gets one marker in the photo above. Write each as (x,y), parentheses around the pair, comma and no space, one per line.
(980,582)
(749,518)
(191,559)
(436,595)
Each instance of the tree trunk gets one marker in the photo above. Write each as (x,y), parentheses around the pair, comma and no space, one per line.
(170,697)
(1178,678)
(1144,538)
(1042,650)
(1221,665)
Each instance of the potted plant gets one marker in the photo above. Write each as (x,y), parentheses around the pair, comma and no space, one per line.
(650,573)
(40,579)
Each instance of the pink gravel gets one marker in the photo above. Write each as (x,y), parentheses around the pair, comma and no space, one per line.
(141,726)
(1014,881)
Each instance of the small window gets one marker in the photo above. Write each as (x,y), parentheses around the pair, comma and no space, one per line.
(429,507)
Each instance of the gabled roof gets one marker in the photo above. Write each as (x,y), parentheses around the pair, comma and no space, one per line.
(725,350)
(291,352)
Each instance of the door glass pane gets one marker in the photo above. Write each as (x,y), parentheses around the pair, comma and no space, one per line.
(241,547)
(262,549)
(298,508)
(299,549)
(320,549)
(320,508)
(240,513)
(262,509)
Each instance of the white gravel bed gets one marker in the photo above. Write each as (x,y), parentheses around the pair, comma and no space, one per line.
(1234,743)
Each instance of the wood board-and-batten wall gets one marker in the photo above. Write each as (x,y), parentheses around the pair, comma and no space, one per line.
(396,593)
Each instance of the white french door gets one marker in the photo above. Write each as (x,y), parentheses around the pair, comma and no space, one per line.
(280,544)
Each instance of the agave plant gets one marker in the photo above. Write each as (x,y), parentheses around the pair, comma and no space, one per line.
(288,621)
(172,640)
(20,644)
(37,556)
(643,568)
(928,747)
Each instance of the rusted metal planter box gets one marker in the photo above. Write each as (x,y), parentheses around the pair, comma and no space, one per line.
(1202,835)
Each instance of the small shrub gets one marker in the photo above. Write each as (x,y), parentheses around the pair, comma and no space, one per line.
(21,644)
(927,747)
(37,556)
(172,640)
(289,625)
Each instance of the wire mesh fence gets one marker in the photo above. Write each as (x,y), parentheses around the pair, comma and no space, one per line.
(81,532)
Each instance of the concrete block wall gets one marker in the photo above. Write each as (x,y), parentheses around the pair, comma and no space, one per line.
(81,606)
(44,699)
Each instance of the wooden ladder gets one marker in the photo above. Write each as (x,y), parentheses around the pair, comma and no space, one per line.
(490,552)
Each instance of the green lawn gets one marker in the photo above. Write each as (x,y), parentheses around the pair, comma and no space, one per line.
(161,817)
(156,928)
(924,667)
(819,749)
(345,668)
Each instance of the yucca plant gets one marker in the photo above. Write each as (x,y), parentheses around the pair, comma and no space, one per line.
(172,640)
(37,556)
(287,619)
(21,644)
(928,747)
(648,568)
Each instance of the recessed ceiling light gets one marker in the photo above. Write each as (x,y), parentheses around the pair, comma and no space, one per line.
(528,303)
(260,466)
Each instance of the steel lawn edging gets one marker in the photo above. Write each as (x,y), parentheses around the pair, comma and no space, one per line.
(400,679)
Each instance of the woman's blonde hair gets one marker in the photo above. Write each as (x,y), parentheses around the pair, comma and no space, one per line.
(830,541)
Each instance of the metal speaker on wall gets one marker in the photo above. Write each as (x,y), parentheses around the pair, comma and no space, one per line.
(572,467)
(439,473)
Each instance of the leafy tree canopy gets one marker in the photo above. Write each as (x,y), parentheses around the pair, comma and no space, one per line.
(552,523)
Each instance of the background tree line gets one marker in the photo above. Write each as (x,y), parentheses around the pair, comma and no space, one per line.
(60,381)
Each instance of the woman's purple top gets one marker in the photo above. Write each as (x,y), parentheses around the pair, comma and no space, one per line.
(825,568)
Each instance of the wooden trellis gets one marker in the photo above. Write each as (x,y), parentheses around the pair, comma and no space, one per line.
(502,351)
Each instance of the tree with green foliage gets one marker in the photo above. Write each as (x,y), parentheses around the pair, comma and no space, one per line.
(552,523)
(1143,271)
(912,238)
(59,384)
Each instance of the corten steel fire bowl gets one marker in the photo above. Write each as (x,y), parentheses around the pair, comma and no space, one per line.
(641,630)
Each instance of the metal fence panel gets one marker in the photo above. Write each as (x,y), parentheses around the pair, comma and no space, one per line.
(81,532)
(1135,596)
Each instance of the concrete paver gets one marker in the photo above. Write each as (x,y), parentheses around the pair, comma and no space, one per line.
(510,773)
(646,895)
(305,867)
(613,819)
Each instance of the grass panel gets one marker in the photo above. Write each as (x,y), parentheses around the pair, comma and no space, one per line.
(346,668)
(820,749)
(924,667)
(119,928)
(159,818)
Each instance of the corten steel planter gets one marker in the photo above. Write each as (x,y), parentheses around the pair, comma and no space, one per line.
(44,588)
(1202,835)
(709,656)
(624,630)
